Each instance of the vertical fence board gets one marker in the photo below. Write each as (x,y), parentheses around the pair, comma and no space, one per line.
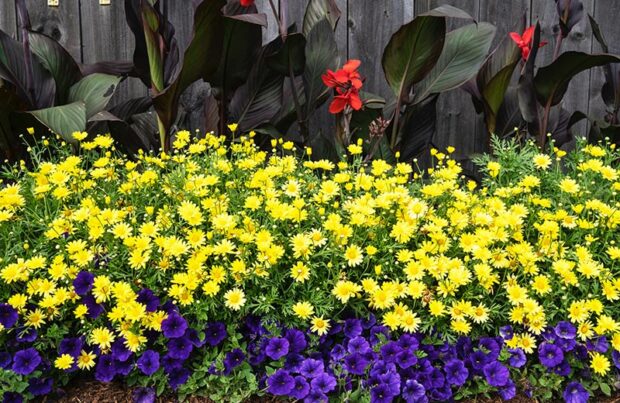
(61,23)
(8,21)
(457,122)
(607,17)
(272,30)
(580,39)
(106,36)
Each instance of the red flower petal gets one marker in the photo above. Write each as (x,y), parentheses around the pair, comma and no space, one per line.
(527,35)
(246,3)
(337,105)
(516,37)
(351,65)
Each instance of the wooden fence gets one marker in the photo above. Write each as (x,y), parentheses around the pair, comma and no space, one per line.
(92,32)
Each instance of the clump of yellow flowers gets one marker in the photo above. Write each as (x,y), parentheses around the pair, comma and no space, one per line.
(224,230)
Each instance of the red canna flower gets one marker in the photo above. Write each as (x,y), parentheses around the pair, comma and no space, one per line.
(346,82)
(524,42)
(246,3)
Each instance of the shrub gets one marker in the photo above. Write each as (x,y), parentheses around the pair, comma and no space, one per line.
(224,270)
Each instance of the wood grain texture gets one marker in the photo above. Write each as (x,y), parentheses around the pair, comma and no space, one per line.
(458,125)
(579,39)
(272,30)
(61,23)
(107,37)
(8,21)
(607,17)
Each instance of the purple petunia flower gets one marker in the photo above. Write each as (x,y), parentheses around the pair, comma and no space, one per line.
(381,394)
(337,353)
(506,332)
(8,316)
(148,362)
(83,283)
(358,345)
(565,330)
(12,397)
(72,346)
(94,309)
(40,386)
(193,336)
(277,347)
(550,355)
(311,368)
(615,356)
(300,388)
(356,364)
(171,364)
(379,333)
(296,340)
(575,393)
(178,378)
(408,342)
(490,347)
(316,396)
(456,372)
(479,359)
(233,359)
(144,395)
(215,333)
(26,361)
(123,368)
(324,383)
(413,391)
(563,369)
(600,345)
(352,328)
(174,326)
(517,358)
(120,352)
(390,351)
(496,374)
(180,348)
(105,370)
(148,299)
(26,335)
(508,391)
(281,383)
(5,360)
(566,345)
(406,359)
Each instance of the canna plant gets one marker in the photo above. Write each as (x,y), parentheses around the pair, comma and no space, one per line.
(42,86)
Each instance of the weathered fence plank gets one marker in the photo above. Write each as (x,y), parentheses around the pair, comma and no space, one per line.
(106,36)
(61,23)
(7,17)
(607,17)
(580,39)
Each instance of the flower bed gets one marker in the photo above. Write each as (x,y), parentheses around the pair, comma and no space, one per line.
(231,272)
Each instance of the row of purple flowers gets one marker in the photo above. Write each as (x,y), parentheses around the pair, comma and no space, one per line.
(355,355)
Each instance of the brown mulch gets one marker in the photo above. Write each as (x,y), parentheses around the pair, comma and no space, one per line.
(95,392)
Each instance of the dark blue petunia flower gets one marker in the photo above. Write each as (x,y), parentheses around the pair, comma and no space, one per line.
(506,332)
(94,309)
(123,368)
(148,362)
(615,356)
(479,359)
(174,326)
(120,352)
(276,348)
(550,355)
(379,333)
(324,383)
(26,361)
(575,393)
(490,347)
(496,374)
(456,372)
(337,353)
(12,397)
(356,364)
(381,394)
(358,345)
(413,391)
(408,342)
(26,335)
(293,362)
(233,359)
(8,316)
(83,283)
(508,391)
(5,360)
(352,328)
(143,395)
(296,340)
(406,359)
(148,299)
(311,368)
(281,383)
(300,388)
(72,346)
(171,364)
(316,396)
(215,333)
(390,351)
(563,369)
(193,336)
(40,386)
(178,378)
(517,358)
(600,345)
(565,330)
(180,348)
(566,345)
(105,370)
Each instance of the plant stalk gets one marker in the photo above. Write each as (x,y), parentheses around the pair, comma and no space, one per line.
(545,119)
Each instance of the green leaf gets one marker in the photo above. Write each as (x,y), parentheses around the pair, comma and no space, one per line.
(57,61)
(448,11)
(321,54)
(64,120)
(318,10)
(412,52)
(464,51)
(552,81)
(95,91)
